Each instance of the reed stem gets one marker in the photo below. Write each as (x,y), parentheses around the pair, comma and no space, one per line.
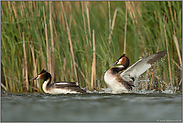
(47,44)
(35,67)
(4,87)
(169,67)
(52,43)
(177,47)
(70,42)
(125,30)
(93,76)
(88,20)
(25,65)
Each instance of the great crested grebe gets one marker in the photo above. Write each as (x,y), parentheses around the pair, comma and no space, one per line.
(123,82)
(57,87)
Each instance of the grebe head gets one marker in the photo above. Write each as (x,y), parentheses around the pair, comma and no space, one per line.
(123,60)
(43,75)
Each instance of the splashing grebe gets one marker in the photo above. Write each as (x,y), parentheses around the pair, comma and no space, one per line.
(123,82)
(57,87)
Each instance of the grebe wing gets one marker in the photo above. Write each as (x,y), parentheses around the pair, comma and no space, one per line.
(135,70)
(141,66)
(65,84)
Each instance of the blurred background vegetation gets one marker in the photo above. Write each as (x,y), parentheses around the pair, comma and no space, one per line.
(77,41)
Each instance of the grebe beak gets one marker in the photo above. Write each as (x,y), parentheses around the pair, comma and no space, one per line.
(114,63)
(37,77)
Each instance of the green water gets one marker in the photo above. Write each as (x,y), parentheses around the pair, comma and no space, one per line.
(91,107)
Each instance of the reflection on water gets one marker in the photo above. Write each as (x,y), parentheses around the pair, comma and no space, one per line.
(91,107)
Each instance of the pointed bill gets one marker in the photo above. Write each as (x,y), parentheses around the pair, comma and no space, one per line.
(33,78)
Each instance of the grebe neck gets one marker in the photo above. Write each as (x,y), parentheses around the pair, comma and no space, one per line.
(47,78)
(46,85)
(117,69)
(47,81)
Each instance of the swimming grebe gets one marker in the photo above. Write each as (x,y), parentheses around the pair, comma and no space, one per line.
(57,87)
(123,82)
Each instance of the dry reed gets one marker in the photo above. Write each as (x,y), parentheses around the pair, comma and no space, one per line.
(88,20)
(177,47)
(35,67)
(125,30)
(84,22)
(169,67)
(25,65)
(47,43)
(93,76)
(52,43)
(70,42)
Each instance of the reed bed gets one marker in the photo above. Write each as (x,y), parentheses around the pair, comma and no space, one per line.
(77,41)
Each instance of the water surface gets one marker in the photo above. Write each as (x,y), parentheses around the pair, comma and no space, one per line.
(91,107)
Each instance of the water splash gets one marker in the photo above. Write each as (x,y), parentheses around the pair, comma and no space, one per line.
(170,90)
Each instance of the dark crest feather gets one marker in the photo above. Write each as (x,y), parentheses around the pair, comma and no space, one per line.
(43,71)
(121,57)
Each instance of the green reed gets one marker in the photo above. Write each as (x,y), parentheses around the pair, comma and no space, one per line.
(60,37)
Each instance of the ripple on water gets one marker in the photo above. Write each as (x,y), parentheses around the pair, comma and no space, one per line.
(91,107)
